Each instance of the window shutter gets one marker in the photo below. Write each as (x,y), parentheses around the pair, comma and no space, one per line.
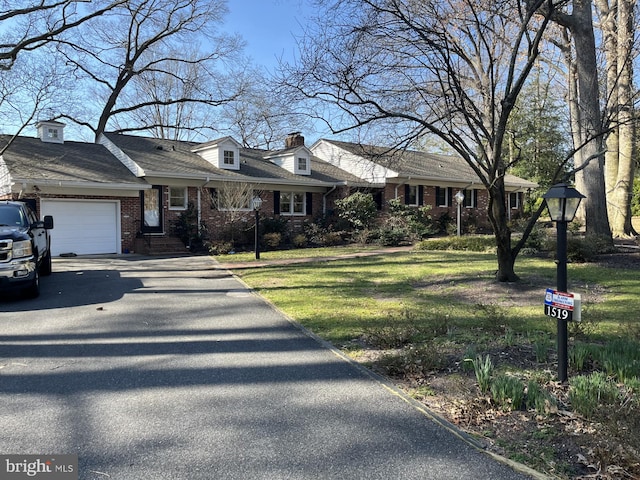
(421,195)
(438,193)
(449,196)
(276,202)
(309,201)
(213,196)
(475,198)
(406,194)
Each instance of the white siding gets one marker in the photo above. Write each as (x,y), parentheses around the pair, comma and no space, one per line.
(354,164)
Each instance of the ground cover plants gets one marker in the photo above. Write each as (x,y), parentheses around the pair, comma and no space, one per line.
(481,353)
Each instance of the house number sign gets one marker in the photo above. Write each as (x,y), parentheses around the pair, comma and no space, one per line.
(559,304)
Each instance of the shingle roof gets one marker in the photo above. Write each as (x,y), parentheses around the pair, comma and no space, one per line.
(411,163)
(166,158)
(32,159)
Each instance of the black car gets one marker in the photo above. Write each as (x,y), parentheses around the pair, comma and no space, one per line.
(25,247)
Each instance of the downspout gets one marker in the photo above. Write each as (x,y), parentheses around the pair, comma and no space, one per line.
(324,198)
(400,185)
(199,219)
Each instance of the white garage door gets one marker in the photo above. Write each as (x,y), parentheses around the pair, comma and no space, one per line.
(83,227)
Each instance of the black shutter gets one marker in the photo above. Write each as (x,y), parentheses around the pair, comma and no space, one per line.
(475,198)
(406,194)
(309,202)
(438,193)
(276,202)
(421,195)
(213,196)
(450,196)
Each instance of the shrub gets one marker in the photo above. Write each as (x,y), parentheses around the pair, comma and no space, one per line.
(586,249)
(445,222)
(185,226)
(359,209)
(272,239)
(416,222)
(392,236)
(413,361)
(299,241)
(473,243)
(274,225)
(331,239)
(635,199)
(220,248)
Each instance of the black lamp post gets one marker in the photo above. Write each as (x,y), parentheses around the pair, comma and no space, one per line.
(256,203)
(562,202)
(459,197)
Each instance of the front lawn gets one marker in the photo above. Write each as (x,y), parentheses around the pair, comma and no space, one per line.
(430,320)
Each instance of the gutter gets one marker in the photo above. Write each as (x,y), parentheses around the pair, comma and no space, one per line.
(90,185)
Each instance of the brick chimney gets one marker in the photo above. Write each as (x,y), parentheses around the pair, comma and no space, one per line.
(294,139)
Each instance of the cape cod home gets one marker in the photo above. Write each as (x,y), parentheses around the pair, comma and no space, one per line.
(125,193)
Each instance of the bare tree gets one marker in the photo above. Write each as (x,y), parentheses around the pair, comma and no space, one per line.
(452,69)
(234,201)
(31,24)
(152,41)
(31,77)
(264,115)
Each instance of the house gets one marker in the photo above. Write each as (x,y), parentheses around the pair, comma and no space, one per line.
(419,178)
(125,193)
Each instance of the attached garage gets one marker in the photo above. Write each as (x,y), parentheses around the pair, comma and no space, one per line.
(83,227)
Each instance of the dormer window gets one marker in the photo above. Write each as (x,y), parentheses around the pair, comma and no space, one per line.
(302,164)
(51,131)
(229,158)
(222,153)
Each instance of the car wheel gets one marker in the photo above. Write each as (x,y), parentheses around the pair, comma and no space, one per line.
(34,290)
(45,267)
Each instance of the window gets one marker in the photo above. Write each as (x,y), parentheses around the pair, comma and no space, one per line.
(302,164)
(412,195)
(292,203)
(514,200)
(442,197)
(52,133)
(177,198)
(470,198)
(229,158)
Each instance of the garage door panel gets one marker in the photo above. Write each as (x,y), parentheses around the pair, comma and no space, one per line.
(83,227)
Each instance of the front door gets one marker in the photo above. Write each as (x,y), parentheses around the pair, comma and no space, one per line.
(151,201)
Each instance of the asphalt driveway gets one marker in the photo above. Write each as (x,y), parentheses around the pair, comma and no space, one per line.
(152,368)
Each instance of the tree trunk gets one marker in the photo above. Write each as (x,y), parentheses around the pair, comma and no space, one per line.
(589,160)
(498,218)
(619,195)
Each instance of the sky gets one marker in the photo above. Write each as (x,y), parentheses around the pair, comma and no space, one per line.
(268,27)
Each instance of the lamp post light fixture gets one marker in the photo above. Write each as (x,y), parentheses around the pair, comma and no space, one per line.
(562,203)
(256,203)
(459,197)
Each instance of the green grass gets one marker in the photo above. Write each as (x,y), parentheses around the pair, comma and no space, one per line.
(340,299)
(318,253)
